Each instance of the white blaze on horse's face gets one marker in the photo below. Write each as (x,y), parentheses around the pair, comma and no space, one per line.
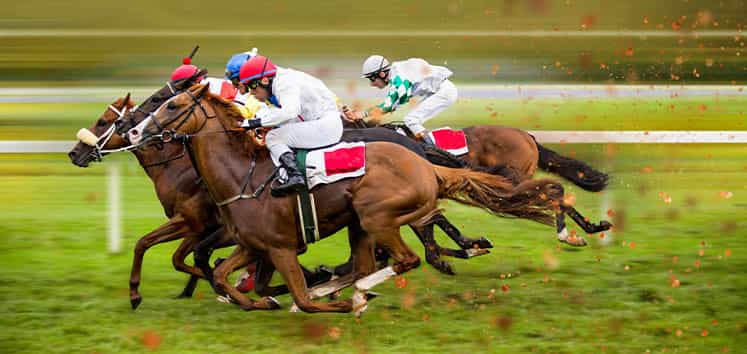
(136,133)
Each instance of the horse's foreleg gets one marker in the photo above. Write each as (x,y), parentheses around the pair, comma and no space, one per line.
(177,259)
(174,229)
(286,263)
(238,259)
(204,249)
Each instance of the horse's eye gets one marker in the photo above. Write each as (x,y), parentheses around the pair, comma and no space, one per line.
(102,123)
(171,106)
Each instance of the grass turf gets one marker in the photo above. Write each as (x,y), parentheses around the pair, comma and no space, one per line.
(62,292)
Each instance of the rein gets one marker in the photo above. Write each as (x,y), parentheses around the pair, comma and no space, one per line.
(186,139)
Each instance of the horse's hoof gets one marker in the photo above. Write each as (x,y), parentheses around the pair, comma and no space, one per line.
(224,299)
(443,267)
(482,243)
(135,301)
(273,304)
(184,295)
(604,225)
(370,295)
(474,252)
(360,303)
(575,241)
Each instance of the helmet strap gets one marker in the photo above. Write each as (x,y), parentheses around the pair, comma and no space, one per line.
(383,75)
(266,83)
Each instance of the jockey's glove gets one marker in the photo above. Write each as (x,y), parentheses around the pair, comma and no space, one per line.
(249,124)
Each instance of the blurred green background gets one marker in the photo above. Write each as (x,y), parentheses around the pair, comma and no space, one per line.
(88,42)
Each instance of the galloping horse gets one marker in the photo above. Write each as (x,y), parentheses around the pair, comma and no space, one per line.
(373,206)
(515,154)
(192,215)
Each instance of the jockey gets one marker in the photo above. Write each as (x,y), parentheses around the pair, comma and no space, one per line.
(222,87)
(405,79)
(302,109)
(234,66)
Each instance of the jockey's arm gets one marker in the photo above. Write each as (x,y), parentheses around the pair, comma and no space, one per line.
(291,108)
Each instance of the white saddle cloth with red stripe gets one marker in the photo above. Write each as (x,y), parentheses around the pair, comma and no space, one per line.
(450,140)
(340,161)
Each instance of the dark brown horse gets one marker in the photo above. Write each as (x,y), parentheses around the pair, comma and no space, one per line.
(515,154)
(192,215)
(373,207)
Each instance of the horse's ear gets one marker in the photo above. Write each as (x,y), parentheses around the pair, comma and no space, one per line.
(126,101)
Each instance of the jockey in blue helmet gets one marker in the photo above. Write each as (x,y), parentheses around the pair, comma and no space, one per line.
(234,66)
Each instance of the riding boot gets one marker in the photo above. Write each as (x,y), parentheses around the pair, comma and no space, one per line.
(295,181)
(426,139)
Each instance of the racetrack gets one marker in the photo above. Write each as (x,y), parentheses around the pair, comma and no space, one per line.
(671,276)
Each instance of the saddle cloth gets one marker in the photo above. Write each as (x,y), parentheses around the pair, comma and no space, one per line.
(221,87)
(339,161)
(450,140)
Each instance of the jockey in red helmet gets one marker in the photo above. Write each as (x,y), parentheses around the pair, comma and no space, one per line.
(302,109)
(219,86)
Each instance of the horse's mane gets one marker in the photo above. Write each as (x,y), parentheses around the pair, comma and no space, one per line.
(230,117)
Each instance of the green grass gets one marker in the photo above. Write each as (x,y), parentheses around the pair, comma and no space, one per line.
(60,121)
(61,291)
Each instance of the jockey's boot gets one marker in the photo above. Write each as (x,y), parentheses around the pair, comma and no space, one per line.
(295,182)
(426,139)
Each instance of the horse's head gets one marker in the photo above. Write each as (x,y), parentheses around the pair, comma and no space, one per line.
(149,105)
(101,136)
(186,113)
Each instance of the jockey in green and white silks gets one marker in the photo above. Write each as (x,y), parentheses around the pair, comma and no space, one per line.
(404,80)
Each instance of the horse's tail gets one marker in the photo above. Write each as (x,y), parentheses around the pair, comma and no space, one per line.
(534,199)
(573,170)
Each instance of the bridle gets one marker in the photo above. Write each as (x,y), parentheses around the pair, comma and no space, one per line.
(183,117)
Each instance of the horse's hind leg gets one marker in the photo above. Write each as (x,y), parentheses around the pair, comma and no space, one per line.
(405,260)
(562,230)
(456,235)
(432,250)
(588,227)
(174,229)
(286,263)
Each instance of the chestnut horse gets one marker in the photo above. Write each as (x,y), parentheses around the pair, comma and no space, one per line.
(373,206)
(192,214)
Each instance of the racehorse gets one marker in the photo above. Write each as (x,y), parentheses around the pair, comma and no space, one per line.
(373,206)
(514,153)
(192,216)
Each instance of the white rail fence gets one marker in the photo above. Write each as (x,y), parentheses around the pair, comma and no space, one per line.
(114,202)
